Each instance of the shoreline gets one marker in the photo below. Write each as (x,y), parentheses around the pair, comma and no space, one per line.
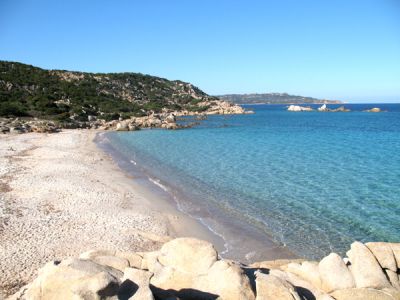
(241,241)
(62,195)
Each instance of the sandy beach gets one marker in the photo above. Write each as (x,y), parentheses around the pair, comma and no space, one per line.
(61,195)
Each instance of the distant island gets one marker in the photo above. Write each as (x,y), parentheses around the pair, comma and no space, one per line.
(273,98)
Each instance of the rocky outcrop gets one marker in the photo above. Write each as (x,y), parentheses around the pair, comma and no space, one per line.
(373,110)
(18,125)
(187,268)
(325,108)
(299,108)
(166,120)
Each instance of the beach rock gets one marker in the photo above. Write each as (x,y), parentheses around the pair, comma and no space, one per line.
(122,126)
(168,281)
(99,286)
(384,254)
(149,260)
(396,252)
(362,294)
(269,287)
(225,279)
(72,279)
(138,280)
(112,261)
(188,268)
(307,270)
(188,255)
(170,118)
(305,289)
(365,268)
(334,274)
(134,259)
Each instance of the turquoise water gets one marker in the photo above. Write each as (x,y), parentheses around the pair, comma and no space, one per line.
(312,181)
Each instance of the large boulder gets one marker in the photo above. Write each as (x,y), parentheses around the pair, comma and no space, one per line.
(115,262)
(188,255)
(384,254)
(365,268)
(189,268)
(270,287)
(334,274)
(305,289)
(72,279)
(227,280)
(307,270)
(122,126)
(170,118)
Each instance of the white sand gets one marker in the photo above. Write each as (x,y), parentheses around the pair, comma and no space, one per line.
(60,196)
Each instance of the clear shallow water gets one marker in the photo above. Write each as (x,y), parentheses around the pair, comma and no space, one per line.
(312,181)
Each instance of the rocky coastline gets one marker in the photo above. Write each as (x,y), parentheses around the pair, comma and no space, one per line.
(167,120)
(188,268)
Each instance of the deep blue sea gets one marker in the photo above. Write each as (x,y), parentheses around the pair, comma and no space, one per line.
(312,181)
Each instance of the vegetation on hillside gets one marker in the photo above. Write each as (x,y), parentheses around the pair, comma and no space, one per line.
(28,91)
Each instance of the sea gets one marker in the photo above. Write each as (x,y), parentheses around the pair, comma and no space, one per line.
(307,182)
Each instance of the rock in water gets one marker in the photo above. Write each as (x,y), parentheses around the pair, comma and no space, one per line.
(299,108)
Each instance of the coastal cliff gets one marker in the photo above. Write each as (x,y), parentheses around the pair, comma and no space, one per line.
(187,268)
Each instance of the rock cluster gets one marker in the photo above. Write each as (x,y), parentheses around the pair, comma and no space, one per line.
(323,108)
(187,268)
(29,125)
(299,108)
(166,120)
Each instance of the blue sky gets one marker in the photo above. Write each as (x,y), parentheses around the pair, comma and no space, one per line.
(343,49)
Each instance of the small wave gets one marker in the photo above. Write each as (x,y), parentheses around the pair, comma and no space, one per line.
(226,244)
(157,183)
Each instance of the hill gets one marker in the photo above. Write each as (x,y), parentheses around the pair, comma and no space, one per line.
(272,98)
(65,96)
